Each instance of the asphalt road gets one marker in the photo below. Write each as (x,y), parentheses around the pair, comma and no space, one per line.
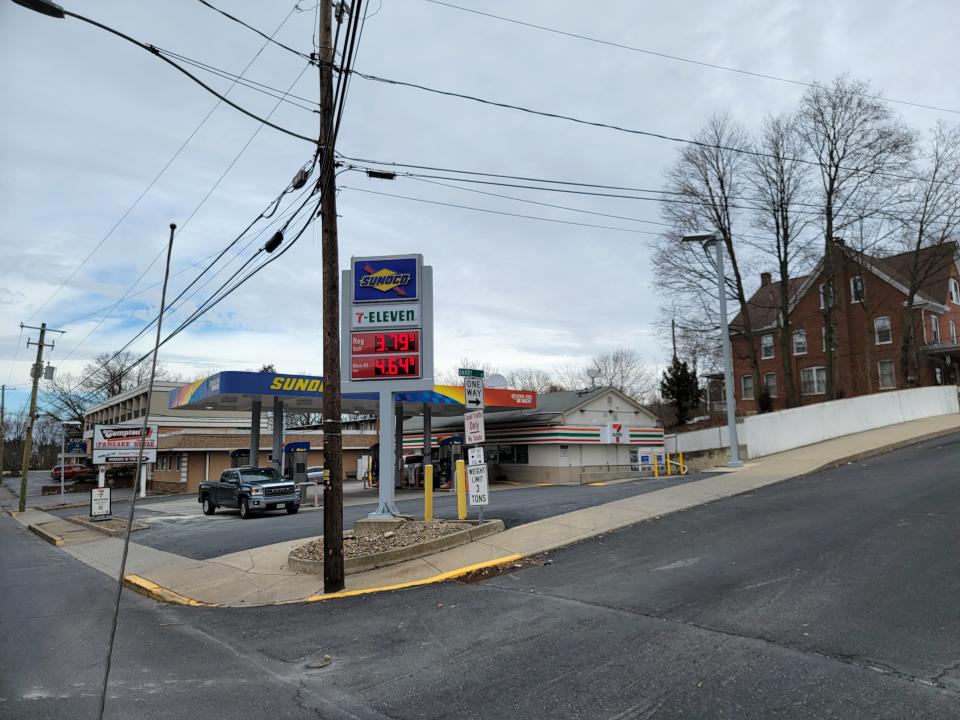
(830,596)
(201,537)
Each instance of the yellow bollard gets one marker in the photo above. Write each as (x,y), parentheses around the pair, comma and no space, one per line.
(683,469)
(656,465)
(428,492)
(461,490)
(668,465)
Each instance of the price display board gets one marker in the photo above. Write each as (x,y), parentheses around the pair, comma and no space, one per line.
(380,343)
(384,367)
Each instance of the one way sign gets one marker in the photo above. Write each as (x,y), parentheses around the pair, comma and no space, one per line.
(473,393)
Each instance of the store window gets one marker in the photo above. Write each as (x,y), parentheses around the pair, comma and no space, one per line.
(888,379)
(513,454)
(746,387)
(881,328)
(766,347)
(770,383)
(799,342)
(813,381)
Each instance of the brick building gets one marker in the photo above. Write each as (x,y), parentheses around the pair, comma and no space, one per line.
(869,295)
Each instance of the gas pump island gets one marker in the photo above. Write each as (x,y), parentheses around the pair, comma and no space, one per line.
(387,344)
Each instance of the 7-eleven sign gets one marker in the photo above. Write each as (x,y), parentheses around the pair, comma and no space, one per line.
(615,434)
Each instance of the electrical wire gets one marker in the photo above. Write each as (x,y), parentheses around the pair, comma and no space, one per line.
(258,32)
(156,178)
(678,58)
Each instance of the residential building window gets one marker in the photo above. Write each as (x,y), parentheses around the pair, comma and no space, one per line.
(935,328)
(799,342)
(856,289)
(888,379)
(823,339)
(826,295)
(746,387)
(953,333)
(770,383)
(881,328)
(955,291)
(766,347)
(813,381)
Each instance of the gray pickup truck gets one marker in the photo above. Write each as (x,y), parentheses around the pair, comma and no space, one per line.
(251,489)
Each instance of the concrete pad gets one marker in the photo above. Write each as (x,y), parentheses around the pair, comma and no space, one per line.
(269,559)
(409,571)
(105,554)
(604,519)
(470,554)
(536,537)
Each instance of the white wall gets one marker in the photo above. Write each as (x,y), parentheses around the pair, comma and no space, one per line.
(787,429)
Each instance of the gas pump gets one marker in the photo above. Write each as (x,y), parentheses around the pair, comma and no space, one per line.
(295,461)
(239,458)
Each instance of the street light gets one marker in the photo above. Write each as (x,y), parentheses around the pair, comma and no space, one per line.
(708,239)
(63,447)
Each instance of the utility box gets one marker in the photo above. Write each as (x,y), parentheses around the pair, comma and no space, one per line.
(295,461)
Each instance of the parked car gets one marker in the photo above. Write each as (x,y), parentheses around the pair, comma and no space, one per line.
(251,489)
(74,473)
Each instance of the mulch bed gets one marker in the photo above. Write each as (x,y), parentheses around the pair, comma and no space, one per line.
(410,532)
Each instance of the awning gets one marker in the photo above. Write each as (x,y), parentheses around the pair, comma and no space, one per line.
(234,390)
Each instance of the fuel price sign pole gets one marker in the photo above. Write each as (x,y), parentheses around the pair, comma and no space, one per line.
(387,328)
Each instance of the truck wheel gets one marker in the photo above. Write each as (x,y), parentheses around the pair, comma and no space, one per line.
(292,509)
(244,509)
(208,507)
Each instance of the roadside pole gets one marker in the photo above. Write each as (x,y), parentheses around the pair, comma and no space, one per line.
(474,435)
(3,426)
(36,372)
(333,570)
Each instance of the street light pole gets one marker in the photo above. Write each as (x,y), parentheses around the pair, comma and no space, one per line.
(711,240)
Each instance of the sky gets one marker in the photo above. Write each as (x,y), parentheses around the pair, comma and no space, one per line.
(89,121)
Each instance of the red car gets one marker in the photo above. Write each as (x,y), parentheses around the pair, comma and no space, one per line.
(75,473)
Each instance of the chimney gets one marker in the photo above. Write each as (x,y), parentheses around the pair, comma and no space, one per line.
(765,279)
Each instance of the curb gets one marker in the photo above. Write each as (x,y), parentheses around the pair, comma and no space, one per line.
(150,589)
(46,535)
(882,450)
(137,525)
(398,555)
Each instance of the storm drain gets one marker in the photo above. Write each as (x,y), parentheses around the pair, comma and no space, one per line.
(484,574)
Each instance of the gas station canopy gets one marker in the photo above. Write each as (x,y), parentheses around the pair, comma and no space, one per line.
(238,391)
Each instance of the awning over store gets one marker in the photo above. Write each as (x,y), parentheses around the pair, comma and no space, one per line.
(234,390)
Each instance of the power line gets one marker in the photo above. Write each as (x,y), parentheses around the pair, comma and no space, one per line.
(156,177)
(498,212)
(632,131)
(678,58)
(258,32)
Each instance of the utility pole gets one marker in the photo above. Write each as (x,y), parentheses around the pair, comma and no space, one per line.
(36,372)
(333,570)
(3,426)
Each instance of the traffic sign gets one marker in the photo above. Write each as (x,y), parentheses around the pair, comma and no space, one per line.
(468,372)
(100,505)
(473,393)
(474,431)
(477,485)
(475,456)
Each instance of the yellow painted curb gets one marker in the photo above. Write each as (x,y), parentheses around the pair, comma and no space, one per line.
(50,537)
(450,575)
(159,593)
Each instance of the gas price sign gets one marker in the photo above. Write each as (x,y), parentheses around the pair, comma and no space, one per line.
(384,367)
(379,343)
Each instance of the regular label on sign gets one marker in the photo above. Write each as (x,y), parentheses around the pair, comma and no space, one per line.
(475,456)
(473,393)
(478,492)
(474,431)
(100,508)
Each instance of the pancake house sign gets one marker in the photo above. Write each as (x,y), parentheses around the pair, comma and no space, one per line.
(121,444)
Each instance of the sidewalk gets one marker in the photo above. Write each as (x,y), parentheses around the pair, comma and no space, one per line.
(260,576)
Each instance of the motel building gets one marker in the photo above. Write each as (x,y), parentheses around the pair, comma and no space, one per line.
(571,437)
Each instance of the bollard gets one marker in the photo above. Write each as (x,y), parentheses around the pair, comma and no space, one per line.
(428,492)
(668,465)
(683,469)
(656,465)
(461,490)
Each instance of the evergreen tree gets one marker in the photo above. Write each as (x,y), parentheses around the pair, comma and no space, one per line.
(680,385)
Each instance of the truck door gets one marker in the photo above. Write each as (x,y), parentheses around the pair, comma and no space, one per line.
(227,490)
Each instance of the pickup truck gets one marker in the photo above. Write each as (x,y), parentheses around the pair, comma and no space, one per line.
(251,489)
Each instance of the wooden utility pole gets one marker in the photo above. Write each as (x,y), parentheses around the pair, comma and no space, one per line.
(32,416)
(333,571)
(3,426)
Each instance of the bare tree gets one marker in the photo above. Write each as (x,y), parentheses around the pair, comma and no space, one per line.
(451,376)
(860,148)
(779,180)
(626,371)
(63,398)
(930,229)
(540,381)
(113,373)
(704,185)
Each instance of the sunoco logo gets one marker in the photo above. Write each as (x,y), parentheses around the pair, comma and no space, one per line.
(122,434)
(385,280)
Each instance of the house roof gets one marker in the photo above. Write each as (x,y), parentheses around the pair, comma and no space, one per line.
(764,303)
(934,264)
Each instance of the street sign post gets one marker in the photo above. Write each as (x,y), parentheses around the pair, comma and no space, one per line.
(475,455)
(101,507)
(470,372)
(478,494)
(473,393)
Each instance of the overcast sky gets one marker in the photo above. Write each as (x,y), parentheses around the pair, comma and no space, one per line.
(88,120)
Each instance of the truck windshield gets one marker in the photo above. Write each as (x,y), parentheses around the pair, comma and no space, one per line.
(260,475)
